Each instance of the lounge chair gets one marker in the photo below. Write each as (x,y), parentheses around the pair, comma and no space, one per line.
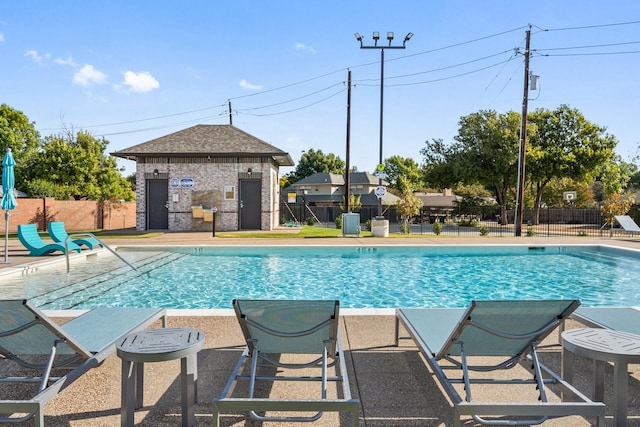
(623,319)
(493,335)
(306,329)
(30,338)
(30,239)
(59,234)
(627,223)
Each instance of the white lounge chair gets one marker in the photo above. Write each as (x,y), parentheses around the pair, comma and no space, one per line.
(308,329)
(78,345)
(500,333)
(627,223)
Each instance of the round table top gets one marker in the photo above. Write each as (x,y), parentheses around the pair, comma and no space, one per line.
(603,344)
(156,345)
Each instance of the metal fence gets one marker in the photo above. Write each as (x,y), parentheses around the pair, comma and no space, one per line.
(472,221)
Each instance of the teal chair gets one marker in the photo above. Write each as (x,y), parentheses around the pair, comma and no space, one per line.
(30,239)
(31,339)
(497,335)
(59,234)
(308,329)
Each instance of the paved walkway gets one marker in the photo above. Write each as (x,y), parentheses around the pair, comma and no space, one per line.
(393,383)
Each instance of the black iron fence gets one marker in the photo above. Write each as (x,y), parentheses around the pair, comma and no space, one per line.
(470,220)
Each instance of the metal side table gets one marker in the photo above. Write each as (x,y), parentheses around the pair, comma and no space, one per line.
(603,345)
(159,345)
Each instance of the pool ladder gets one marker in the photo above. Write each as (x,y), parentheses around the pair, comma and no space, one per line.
(71,236)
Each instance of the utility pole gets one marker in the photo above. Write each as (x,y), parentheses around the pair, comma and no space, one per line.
(523,141)
(230,114)
(347,177)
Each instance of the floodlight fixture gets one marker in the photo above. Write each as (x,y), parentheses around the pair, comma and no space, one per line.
(359,38)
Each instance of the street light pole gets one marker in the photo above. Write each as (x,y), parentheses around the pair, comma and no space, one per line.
(376,37)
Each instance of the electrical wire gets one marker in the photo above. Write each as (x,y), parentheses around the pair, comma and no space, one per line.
(312,79)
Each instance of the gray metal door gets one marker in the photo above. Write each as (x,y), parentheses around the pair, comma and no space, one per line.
(250,204)
(157,204)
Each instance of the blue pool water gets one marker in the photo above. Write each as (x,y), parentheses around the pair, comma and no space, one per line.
(360,277)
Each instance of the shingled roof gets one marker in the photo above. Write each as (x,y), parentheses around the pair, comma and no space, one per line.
(206,140)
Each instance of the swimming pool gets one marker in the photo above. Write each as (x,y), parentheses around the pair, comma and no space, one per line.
(360,277)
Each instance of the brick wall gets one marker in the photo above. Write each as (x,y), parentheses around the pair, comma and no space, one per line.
(77,215)
(212,177)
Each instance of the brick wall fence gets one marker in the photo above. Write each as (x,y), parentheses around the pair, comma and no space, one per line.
(82,215)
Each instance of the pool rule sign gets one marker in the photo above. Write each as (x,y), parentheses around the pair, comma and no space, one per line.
(213,211)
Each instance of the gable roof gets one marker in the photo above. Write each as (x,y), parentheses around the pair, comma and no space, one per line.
(206,140)
(338,179)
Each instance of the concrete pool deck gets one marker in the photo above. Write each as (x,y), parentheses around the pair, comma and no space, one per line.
(394,385)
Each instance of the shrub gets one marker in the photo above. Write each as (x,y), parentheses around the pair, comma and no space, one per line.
(484,230)
(531,231)
(338,222)
(437,228)
(368,224)
(310,220)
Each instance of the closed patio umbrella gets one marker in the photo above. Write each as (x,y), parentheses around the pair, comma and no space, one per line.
(9,202)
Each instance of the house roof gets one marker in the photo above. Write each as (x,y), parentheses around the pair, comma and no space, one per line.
(206,140)
(438,199)
(338,179)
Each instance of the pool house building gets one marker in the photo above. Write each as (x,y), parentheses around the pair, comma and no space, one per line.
(205,175)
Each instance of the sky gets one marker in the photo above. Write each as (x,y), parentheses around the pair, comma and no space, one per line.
(132,71)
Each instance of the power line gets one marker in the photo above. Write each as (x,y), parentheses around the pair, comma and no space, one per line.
(588,27)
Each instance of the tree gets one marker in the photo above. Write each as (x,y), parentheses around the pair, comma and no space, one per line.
(17,133)
(485,153)
(75,167)
(408,205)
(312,162)
(564,145)
(473,196)
(396,166)
(553,193)
(615,175)
(355,202)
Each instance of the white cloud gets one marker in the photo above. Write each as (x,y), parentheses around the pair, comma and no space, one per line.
(246,85)
(140,82)
(69,62)
(87,75)
(1,37)
(302,46)
(33,54)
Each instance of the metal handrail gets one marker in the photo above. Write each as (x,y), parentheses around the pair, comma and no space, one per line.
(71,236)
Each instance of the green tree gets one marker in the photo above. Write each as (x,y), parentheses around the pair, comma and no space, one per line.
(615,175)
(17,133)
(485,153)
(553,193)
(312,162)
(75,167)
(473,196)
(397,166)
(355,202)
(564,145)
(408,205)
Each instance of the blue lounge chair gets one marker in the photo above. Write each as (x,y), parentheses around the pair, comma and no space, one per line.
(308,329)
(76,346)
(496,335)
(59,234)
(623,319)
(30,239)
